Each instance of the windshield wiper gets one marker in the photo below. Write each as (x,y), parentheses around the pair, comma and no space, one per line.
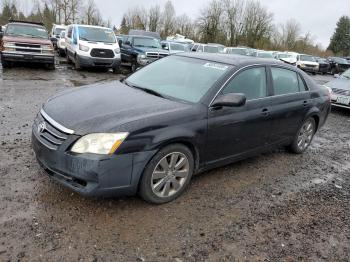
(147,90)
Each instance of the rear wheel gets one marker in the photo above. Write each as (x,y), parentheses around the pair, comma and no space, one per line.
(304,136)
(167,175)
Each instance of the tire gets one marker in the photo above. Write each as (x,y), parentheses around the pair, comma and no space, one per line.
(304,136)
(134,67)
(5,64)
(51,66)
(69,61)
(76,63)
(161,183)
(61,52)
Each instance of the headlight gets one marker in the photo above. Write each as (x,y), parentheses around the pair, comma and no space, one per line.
(142,60)
(329,89)
(83,48)
(100,143)
(8,46)
(117,50)
(47,48)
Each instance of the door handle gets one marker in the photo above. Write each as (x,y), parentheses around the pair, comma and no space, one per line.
(265,112)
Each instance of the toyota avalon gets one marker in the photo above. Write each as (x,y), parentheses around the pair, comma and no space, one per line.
(181,115)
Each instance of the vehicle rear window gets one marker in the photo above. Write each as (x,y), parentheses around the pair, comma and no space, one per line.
(251,83)
(182,78)
(284,81)
(26,31)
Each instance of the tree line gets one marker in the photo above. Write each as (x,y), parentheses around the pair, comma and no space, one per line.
(55,12)
(229,22)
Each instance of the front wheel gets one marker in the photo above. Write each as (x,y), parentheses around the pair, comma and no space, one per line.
(167,175)
(304,136)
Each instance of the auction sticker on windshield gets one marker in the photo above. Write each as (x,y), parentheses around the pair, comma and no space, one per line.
(216,66)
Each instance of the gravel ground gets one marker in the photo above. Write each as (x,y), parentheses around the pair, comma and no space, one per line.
(274,207)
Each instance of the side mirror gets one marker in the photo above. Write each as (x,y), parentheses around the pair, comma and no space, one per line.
(127,43)
(336,76)
(165,47)
(230,100)
(120,42)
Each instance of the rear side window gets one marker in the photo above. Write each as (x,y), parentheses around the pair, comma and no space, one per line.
(251,83)
(69,33)
(302,85)
(284,81)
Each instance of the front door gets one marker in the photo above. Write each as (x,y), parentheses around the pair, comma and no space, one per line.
(236,131)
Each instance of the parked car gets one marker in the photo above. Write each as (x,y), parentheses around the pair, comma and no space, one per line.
(179,116)
(92,46)
(340,90)
(282,55)
(263,54)
(61,44)
(204,48)
(338,65)
(290,58)
(324,66)
(138,51)
(237,50)
(307,63)
(175,47)
(56,32)
(220,46)
(26,42)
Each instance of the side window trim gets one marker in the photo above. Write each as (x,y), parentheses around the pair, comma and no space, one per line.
(300,77)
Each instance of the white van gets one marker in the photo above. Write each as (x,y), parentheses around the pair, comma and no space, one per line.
(92,46)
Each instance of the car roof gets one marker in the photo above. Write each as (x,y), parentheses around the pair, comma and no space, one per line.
(93,26)
(230,59)
(26,24)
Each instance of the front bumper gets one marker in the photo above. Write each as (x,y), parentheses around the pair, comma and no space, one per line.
(92,175)
(27,57)
(86,61)
(309,69)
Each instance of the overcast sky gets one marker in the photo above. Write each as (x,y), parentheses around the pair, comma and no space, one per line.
(317,16)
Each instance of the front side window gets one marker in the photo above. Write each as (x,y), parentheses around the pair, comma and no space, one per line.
(26,31)
(284,81)
(186,79)
(211,49)
(251,83)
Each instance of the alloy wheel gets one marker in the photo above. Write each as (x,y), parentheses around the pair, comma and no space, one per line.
(170,174)
(306,134)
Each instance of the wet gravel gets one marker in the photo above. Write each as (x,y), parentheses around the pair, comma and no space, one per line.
(274,207)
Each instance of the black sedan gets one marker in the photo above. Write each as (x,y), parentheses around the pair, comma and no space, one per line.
(340,90)
(324,66)
(177,117)
(338,65)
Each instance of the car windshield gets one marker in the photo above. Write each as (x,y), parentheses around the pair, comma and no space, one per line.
(146,42)
(211,49)
(307,58)
(177,47)
(264,55)
(63,34)
(281,56)
(340,60)
(237,51)
(59,30)
(162,76)
(26,31)
(95,34)
(346,74)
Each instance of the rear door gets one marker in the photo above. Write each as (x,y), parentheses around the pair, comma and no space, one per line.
(235,131)
(290,103)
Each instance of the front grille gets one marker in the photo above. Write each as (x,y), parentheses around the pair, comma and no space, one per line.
(341,92)
(50,136)
(28,48)
(102,53)
(156,55)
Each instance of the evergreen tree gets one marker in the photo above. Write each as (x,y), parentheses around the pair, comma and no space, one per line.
(124,28)
(340,41)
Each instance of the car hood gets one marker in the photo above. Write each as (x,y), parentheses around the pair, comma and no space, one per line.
(19,39)
(339,83)
(146,49)
(290,60)
(105,107)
